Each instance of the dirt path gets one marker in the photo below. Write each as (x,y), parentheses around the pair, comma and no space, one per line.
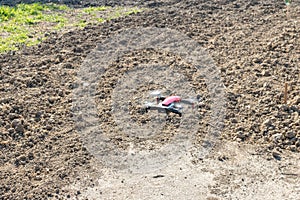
(233,172)
(254,45)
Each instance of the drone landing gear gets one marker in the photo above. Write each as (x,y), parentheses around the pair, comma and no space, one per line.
(173,110)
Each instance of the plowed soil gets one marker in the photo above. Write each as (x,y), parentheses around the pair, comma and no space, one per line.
(255,45)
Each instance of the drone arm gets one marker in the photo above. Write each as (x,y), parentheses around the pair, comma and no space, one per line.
(191,102)
(158,108)
(187,101)
(160,98)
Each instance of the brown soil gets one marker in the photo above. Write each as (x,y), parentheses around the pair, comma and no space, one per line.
(255,45)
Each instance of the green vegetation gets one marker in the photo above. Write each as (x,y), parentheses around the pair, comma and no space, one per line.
(91,10)
(27,24)
(133,11)
(288,2)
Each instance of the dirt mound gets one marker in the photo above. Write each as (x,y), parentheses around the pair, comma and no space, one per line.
(254,44)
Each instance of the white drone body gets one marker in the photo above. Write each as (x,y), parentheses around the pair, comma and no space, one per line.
(176,106)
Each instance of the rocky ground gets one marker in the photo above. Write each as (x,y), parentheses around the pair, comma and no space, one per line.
(255,46)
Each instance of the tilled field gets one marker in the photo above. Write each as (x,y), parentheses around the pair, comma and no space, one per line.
(255,45)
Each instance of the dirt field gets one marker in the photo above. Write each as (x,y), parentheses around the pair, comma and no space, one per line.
(256,49)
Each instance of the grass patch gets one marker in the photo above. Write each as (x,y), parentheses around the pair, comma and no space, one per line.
(91,10)
(287,2)
(27,24)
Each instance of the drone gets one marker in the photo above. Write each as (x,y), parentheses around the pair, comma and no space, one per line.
(170,103)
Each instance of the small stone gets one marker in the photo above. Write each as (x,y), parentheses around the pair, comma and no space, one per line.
(68,66)
(37,178)
(240,134)
(78,50)
(51,100)
(267,122)
(38,114)
(290,134)
(266,73)
(276,155)
(271,128)
(234,120)
(284,107)
(12,116)
(21,160)
(294,109)
(30,156)
(277,137)
(48,127)
(19,128)
(292,148)
(11,130)
(15,123)
(158,176)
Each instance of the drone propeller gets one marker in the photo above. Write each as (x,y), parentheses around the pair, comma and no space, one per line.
(147,103)
(155,93)
(191,101)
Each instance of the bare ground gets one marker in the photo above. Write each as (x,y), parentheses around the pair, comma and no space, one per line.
(256,48)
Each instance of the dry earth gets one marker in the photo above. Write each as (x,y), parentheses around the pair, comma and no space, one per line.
(256,47)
